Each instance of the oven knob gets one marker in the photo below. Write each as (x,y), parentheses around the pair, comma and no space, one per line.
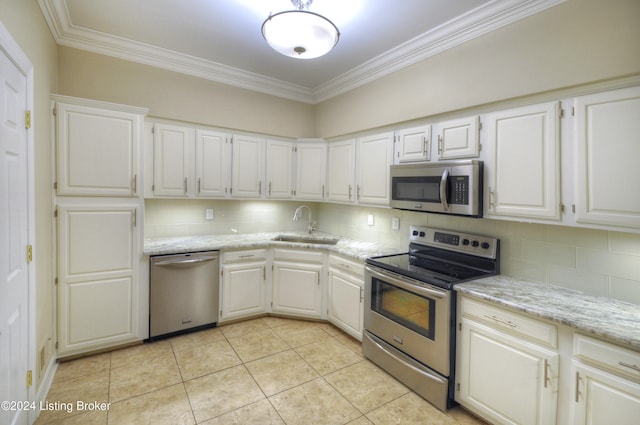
(414,233)
(465,242)
(422,234)
(475,244)
(485,245)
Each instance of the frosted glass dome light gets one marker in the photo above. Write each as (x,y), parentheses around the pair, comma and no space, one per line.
(299,33)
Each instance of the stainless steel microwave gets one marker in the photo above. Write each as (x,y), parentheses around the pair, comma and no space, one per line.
(445,187)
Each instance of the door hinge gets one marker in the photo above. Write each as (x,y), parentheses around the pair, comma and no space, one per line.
(29,378)
(29,253)
(27,119)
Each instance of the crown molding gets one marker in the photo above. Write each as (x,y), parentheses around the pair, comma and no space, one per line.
(473,24)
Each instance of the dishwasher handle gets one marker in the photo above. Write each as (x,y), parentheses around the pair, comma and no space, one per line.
(181,261)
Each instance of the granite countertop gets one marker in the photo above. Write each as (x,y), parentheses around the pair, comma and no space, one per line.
(351,248)
(605,318)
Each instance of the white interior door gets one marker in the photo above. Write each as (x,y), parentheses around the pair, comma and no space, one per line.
(14,272)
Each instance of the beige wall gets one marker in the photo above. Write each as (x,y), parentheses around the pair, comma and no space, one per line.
(576,42)
(180,97)
(27,26)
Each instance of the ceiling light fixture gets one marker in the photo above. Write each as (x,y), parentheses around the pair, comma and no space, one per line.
(299,33)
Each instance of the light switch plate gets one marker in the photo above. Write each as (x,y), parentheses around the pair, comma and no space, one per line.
(208,214)
(370,219)
(395,223)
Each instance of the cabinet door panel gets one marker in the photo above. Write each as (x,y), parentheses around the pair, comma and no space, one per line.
(606,139)
(243,290)
(212,164)
(248,166)
(375,155)
(279,167)
(296,289)
(345,303)
(525,162)
(459,138)
(98,151)
(171,160)
(503,378)
(97,276)
(311,169)
(414,144)
(341,174)
(603,398)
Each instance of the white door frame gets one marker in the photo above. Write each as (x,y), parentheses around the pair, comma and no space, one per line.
(13,51)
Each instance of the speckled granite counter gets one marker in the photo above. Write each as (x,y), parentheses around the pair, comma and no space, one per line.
(347,247)
(609,319)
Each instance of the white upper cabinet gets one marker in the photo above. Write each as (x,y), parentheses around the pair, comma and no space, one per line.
(341,177)
(279,169)
(414,144)
(98,147)
(172,146)
(212,164)
(375,155)
(607,149)
(523,169)
(248,167)
(311,171)
(458,138)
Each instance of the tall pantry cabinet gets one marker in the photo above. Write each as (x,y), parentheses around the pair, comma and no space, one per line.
(98,211)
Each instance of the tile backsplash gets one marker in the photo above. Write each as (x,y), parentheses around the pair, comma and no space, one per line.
(598,262)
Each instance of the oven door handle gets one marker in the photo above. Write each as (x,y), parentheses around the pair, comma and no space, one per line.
(443,189)
(407,284)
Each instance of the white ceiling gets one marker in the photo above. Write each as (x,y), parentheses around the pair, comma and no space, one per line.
(221,40)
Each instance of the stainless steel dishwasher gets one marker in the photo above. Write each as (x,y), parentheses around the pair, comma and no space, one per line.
(183,292)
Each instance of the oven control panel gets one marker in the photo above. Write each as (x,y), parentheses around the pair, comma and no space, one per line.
(467,243)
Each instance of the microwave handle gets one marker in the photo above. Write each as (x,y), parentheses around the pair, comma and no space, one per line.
(443,189)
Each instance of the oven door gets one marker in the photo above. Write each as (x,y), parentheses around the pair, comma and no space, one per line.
(410,315)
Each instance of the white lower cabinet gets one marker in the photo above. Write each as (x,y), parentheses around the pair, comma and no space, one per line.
(243,284)
(98,285)
(346,294)
(297,282)
(606,387)
(504,374)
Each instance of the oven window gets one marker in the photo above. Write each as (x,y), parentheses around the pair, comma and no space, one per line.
(406,308)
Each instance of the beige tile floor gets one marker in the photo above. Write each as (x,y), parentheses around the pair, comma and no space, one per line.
(266,371)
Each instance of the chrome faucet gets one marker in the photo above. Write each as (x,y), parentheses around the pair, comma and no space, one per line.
(297,215)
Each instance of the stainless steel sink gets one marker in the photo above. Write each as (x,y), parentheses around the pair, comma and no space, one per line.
(305,239)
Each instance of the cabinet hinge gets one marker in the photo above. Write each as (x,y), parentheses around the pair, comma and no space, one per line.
(573,208)
(231,140)
(458,386)
(29,253)
(479,147)
(27,119)
(560,113)
(55,185)
(460,326)
(55,281)
(271,304)
(56,345)
(29,378)
(221,272)
(562,208)
(54,111)
(479,125)
(573,111)
(55,212)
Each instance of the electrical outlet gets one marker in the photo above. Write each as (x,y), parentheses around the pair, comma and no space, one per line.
(370,219)
(395,223)
(208,214)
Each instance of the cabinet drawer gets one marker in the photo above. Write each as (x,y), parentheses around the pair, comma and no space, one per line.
(250,254)
(532,329)
(611,356)
(298,255)
(350,266)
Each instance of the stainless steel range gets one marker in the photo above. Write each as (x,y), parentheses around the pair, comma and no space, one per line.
(409,315)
